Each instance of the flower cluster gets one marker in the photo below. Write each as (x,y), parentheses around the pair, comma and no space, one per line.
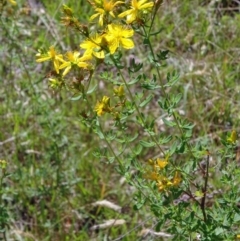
(111,33)
(103,106)
(157,174)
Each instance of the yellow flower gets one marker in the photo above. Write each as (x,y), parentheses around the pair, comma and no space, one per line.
(137,7)
(163,183)
(103,106)
(151,162)
(119,91)
(176,179)
(161,163)
(73,59)
(232,139)
(104,8)
(118,35)
(152,176)
(93,46)
(238,236)
(50,55)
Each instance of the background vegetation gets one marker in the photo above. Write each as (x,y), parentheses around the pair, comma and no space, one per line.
(54,177)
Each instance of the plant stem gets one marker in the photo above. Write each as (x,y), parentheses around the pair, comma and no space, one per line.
(205,190)
(109,146)
(147,35)
(137,109)
(105,139)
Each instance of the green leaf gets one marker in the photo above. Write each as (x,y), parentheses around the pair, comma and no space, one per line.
(188,133)
(78,97)
(145,102)
(168,122)
(91,90)
(134,66)
(150,86)
(219,231)
(173,148)
(236,217)
(159,31)
(177,98)
(130,139)
(100,134)
(146,41)
(147,144)
(172,79)
(164,140)
(137,150)
(120,140)
(181,147)
(110,136)
(163,55)
(134,81)
(111,159)
(163,104)
(188,126)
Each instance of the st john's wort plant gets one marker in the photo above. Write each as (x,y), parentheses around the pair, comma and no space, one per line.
(191,187)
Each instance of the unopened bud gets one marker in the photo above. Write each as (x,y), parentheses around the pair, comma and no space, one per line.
(157,4)
(67,10)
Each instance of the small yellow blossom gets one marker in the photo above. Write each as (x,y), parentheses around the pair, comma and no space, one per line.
(163,183)
(238,236)
(56,83)
(74,59)
(103,8)
(176,179)
(119,91)
(158,174)
(118,35)
(152,176)
(151,162)
(103,106)
(93,46)
(137,8)
(233,137)
(50,55)
(161,163)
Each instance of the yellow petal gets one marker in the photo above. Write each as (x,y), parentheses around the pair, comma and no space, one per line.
(146,5)
(56,65)
(42,59)
(125,13)
(113,45)
(161,163)
(66,70)
(127,43)
(94,16)
(99,54)
(64,65)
